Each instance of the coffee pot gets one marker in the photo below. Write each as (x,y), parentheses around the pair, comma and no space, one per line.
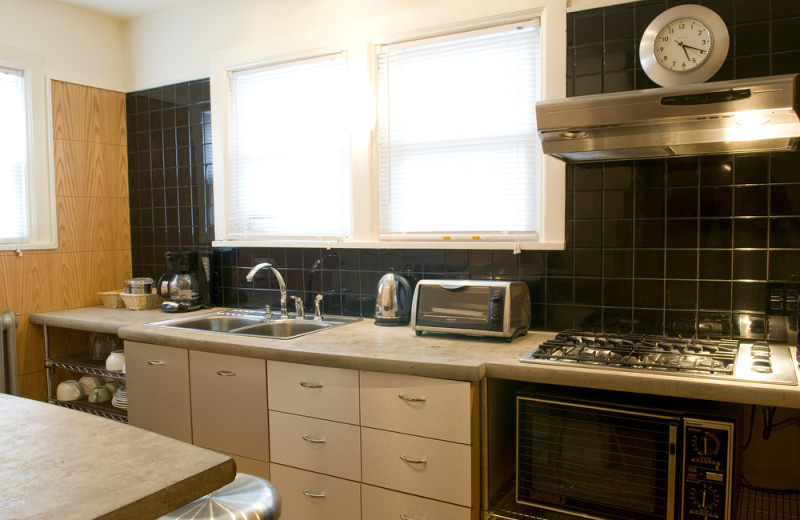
(393,304)
(181,287)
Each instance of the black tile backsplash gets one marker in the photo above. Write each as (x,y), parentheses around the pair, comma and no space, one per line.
(677,246)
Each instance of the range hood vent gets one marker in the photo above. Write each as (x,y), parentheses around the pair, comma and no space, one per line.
(739,116)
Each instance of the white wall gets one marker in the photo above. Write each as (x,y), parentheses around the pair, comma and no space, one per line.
(77,46)
(175,44)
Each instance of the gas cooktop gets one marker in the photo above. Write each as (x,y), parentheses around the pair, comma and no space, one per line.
(725,359)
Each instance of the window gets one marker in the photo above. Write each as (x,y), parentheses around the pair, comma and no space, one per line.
(289,151)
(458,152)
(422,138)
(27,197)
(14,227)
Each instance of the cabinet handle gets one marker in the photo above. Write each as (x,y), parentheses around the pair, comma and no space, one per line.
(305,384)
(156,362)
(313,440)
(226,373)
(404,517)
(412,460)
(411,399)
(312,494)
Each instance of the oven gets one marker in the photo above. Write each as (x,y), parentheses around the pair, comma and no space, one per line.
(601,461)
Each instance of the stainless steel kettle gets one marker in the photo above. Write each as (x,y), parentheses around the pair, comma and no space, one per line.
(393,304)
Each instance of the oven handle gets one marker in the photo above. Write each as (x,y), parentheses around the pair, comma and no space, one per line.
(672,470)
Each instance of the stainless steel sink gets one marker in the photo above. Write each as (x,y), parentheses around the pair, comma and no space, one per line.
(253,323)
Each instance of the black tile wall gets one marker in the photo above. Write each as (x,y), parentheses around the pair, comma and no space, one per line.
(169,173)
(680,246)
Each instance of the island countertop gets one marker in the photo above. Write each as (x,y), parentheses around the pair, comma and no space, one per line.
(364,346)
(56,463)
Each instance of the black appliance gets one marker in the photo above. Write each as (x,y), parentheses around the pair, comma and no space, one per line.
(188,286)
(621,461)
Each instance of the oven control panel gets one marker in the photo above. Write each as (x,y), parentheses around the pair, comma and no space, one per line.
(707,470)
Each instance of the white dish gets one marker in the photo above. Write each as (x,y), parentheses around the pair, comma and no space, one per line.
(69,390)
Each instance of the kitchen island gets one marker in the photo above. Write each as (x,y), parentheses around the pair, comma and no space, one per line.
(55,463)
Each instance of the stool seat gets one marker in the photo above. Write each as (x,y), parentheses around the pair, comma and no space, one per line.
(246,498)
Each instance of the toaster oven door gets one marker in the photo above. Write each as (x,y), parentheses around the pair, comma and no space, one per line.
(466,307)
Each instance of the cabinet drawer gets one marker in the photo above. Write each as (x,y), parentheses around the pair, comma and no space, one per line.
(315,444)
(229,404)
(382,504)
(158,389)
(311,496)
(436,408)
(426,467)
(324,392)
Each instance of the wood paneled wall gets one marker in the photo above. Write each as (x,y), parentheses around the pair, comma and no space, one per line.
(94,244)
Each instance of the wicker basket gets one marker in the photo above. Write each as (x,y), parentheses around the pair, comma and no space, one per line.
(141,302)
(112,299)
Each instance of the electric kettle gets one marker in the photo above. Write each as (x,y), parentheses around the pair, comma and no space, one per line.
(393,304)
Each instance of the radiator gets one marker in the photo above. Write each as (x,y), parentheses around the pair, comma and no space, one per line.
(8,353)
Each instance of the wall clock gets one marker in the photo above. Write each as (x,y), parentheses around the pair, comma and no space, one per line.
(683,45)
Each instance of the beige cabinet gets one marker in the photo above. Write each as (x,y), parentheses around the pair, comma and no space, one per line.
(313,391)
(229,404)
(312,496)
(383,504)
(158,389)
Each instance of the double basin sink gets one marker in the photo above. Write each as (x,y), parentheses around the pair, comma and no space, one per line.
(254,323)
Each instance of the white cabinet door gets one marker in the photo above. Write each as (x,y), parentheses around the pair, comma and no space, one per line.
(426,467)
(311,496)
(436,408)
(318,445)
(158,389)
(324,392)
(229,404)
(383,504)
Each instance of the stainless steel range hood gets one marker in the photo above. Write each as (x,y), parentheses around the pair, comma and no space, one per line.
(739,116)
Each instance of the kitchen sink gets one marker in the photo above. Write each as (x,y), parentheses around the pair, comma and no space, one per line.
(254,323)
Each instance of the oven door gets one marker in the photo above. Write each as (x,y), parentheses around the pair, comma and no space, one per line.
(469,307)
(595,461)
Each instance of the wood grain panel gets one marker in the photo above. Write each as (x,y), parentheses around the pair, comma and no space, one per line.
(33,386)
(115,168)
(71,159)
(30,347)
(41,281)
(74,224)
(71,106)
(11,282)
(112,117)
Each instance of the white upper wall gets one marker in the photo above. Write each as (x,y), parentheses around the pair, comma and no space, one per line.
(175,44)
(77,46)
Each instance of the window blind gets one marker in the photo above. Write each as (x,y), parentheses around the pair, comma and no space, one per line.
(457,146)
(289,151)
(14,227)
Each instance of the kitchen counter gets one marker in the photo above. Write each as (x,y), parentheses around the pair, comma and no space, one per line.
(364,346)
(55,463)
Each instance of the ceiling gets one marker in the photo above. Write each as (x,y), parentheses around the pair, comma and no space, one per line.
(121,9)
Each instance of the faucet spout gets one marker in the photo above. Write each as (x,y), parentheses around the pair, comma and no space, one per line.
(281,284)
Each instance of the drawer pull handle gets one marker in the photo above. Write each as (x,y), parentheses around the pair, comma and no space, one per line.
(156,362)
(312,494)
(411,399)
(305,384)
(405,517)
(412,460)
(312,440)
(226,373)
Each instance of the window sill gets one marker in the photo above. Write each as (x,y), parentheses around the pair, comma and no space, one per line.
(394,244)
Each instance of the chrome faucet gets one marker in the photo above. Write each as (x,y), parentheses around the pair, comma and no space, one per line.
(281,284)
(317,311)
(298,308)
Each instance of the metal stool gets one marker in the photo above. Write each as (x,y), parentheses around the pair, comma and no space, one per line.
(246,498)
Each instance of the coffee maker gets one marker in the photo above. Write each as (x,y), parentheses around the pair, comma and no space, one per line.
(188,286)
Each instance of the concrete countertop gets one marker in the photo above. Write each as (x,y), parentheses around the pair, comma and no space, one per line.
(365,346)
(55,463)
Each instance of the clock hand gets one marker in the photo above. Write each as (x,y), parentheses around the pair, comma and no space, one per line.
(683,46)
(701,51)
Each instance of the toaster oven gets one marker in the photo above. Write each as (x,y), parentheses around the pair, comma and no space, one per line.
(472,307)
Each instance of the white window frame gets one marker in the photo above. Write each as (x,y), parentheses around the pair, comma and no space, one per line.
(39,172)
(364,183)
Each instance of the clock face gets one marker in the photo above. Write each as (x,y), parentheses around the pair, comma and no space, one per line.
(682,45)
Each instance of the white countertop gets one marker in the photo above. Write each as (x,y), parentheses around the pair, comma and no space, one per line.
(56,463)
(365,346)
